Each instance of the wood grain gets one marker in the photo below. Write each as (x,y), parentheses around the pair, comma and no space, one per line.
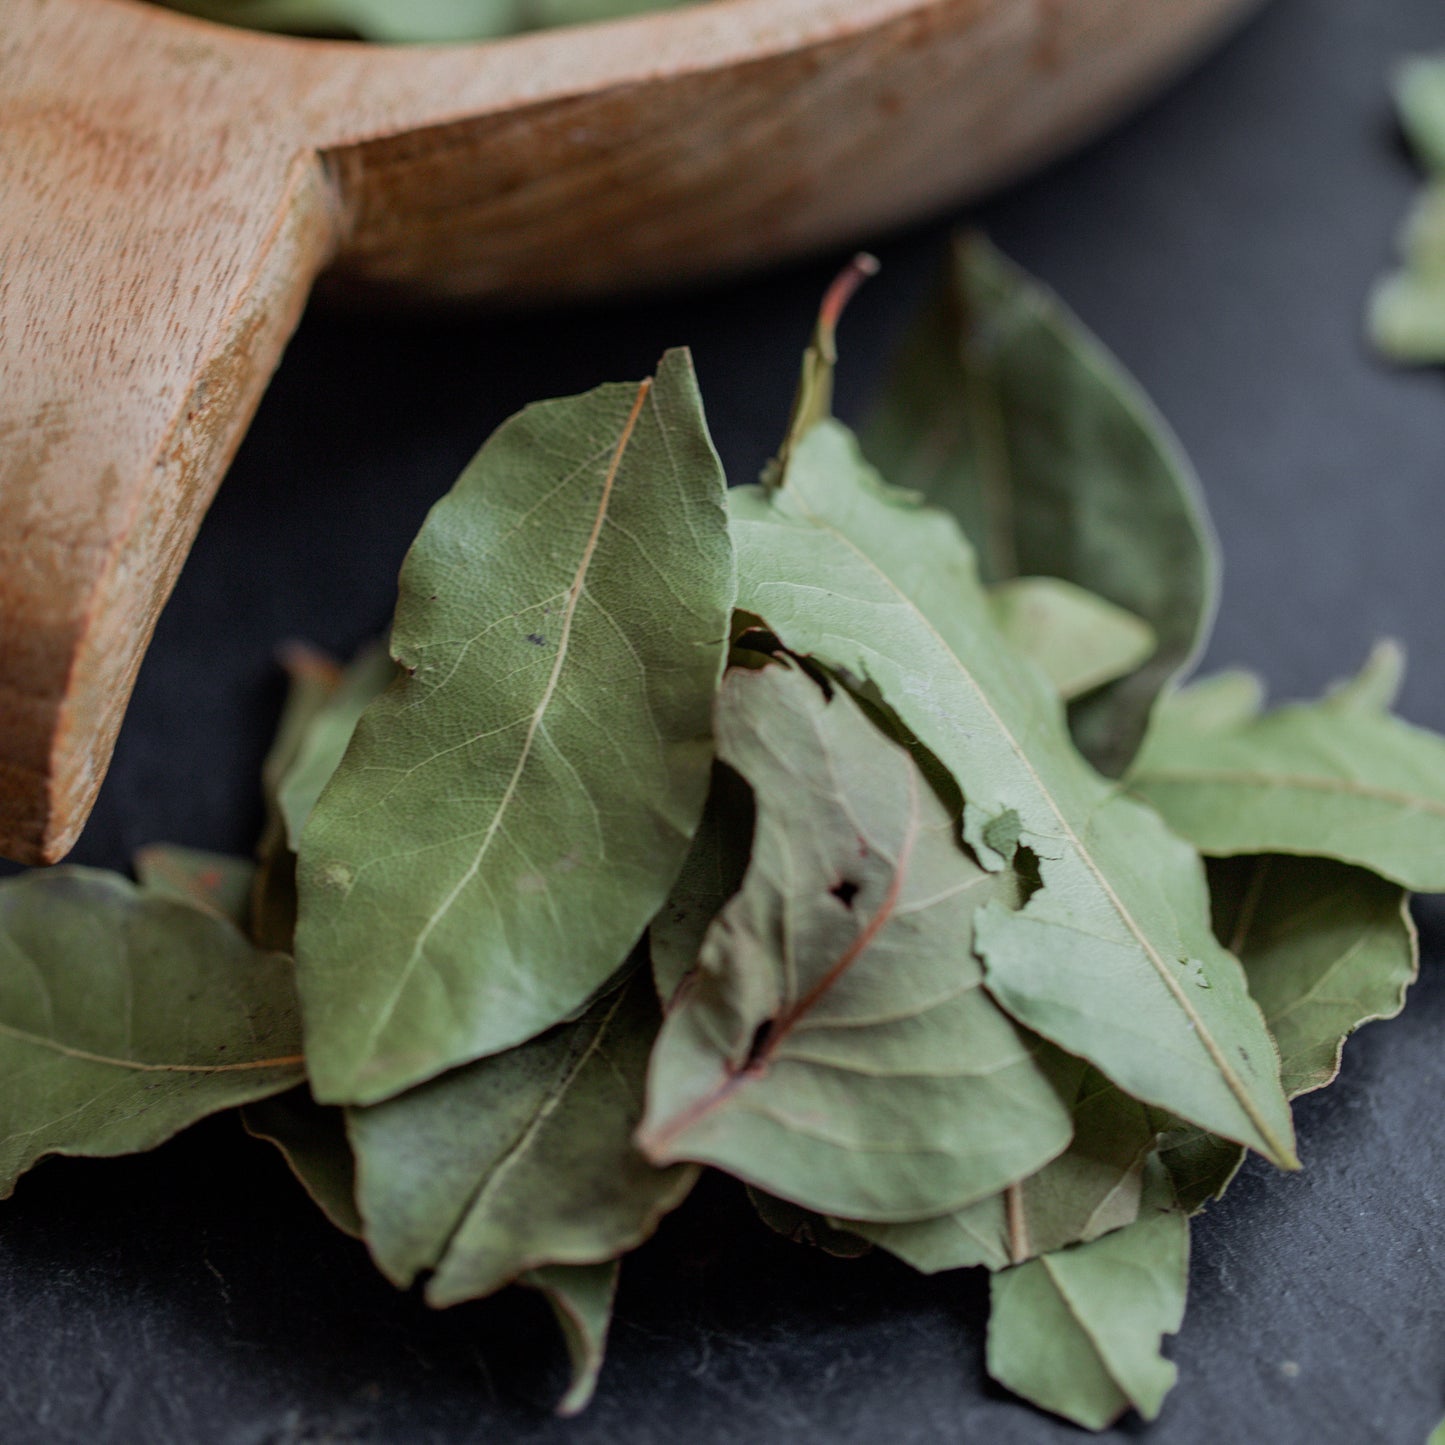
(171,190)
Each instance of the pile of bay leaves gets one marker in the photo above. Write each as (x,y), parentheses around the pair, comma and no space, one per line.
(849,833)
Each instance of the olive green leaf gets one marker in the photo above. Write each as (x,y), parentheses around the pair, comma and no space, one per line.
(312,678)
(1093,1187)
(711,875)
(416,21)
(1077,639)
(1112,958)
(520,1160)
(512,812)
(1004,410)
(834,1045)
(213,881)
(312,1140)
(581,1297)
(802,1226)
(1407,309)
(1078,1331)
(126,1016)
(1327,779)
(1326,948)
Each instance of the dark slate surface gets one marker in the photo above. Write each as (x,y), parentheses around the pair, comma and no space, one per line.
(1222,243)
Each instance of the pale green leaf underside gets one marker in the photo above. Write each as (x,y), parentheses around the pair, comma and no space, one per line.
(513,811)
(1005,411)
(1113,959)
(1078,640)
(1318,779)
(1078,1332)
(517,1161)
(125,1017)
(581,1298)
(834,1045)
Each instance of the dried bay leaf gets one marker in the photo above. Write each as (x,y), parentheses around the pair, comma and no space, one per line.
(513,811)
(125,1017)
(834,1045)
(1093,1187)
(581,1298)
(1078,640)
(517,1161)
(312,1140)
(1077,1332)
(1326,948)
(803,1226)
(1112,958)
(1005,411)
(1328,779)
(214,881)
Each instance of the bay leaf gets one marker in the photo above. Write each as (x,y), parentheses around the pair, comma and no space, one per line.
(1078,640)
(1420,99)
(1376,686)
(513,811)
(581,1297)
(1112,958)
(312,1139)
(1326,948)
(1093,1187)
(834,1045)
(1321,779)
(214,881)
(803,1226)
(1004,410)
(126,1016)
(520,1160)
(312,678)
(1078,1332)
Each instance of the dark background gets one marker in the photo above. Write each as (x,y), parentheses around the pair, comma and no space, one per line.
(1222,243)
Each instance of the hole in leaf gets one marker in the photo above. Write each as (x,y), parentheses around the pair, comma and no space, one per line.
(845,892)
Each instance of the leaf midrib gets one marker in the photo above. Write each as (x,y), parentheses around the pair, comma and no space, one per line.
(141,1067)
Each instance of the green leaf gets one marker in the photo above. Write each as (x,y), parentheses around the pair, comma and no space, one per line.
(214,881)
(1326,948)
(1113,958)
(313,678)
(312,1140)
(520,1160)
(1078,640)
(1437,1435)
(125,1017)
(834,1045)
(511,814)
(1420,96)
(1407,308)
(581,1298)
(802,1226)
(1004,410)
(1323,779)
(1078,1332)
(1376,687)
(711,875)
(1093,1187)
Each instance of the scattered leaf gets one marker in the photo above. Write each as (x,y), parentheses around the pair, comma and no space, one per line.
(834,1045)
(1078,640)
(513,811)
(1319,779)
(1112,958)
(520,1160)
(1078,1331)
(1004,410)
(126,1016)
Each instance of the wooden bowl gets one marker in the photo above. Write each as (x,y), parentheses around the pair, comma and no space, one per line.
(170,190)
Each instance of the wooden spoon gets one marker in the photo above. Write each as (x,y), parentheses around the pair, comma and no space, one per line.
(170,190)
